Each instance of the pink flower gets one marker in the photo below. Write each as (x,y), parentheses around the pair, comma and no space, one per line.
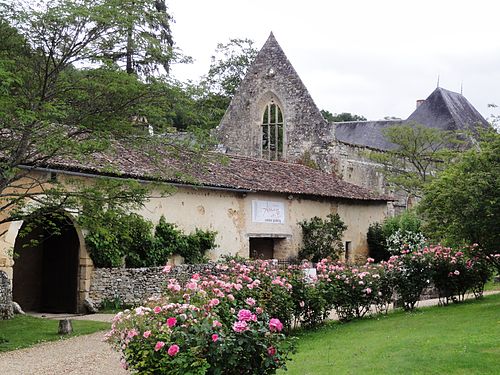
(133,332)
(456,272)
(275,325)
(244,315)
(240,326)
(250,301)
(166,269)
(159,345)
(230,297)
(271,351)
(146,334)
(157,309)
(213,302)
(259,310)
(173,350)
(368,290)
(216,323)
(215,337)
(301,303)
(171,322)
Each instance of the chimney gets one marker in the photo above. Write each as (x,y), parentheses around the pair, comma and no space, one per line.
(420,102)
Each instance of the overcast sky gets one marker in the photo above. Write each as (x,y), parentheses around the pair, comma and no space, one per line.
(373,58)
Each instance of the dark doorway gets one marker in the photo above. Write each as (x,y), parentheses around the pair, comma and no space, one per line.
(46,265)
(261,248)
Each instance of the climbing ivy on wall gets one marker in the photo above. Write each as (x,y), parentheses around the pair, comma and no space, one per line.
(117,240)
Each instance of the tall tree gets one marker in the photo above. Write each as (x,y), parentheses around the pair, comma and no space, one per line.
(229,66)
(60,100)
(419,153)
(462,205)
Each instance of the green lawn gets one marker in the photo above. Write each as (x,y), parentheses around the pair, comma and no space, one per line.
(456,339)
(24,331)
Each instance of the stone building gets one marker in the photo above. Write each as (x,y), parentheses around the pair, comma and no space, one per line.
(272,116)
(253,204)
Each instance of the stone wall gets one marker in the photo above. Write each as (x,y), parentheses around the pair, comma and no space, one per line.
(5,297)
(133,286)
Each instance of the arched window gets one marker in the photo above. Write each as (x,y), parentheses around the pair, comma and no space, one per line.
(272,132)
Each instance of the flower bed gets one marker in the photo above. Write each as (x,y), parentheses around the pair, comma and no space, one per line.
(235,315)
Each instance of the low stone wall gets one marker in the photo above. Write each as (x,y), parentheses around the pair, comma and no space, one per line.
(6,311)
(133,286)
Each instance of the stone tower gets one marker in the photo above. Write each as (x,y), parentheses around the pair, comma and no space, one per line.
(272,115)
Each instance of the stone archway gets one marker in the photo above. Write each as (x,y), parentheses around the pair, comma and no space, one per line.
(46,265)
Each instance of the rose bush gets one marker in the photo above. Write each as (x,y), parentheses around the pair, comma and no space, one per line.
(235,316)
(175,338)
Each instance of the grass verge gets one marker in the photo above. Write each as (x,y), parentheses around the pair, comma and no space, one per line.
(23,331)
(455,339)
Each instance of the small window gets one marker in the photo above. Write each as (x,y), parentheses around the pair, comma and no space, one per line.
(272,133)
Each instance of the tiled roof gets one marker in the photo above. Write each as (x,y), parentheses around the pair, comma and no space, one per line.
(216,170)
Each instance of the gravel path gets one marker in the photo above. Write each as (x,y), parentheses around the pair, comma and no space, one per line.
(82,355)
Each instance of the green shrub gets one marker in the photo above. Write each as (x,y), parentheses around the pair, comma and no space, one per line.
(115,239)
(322,238)
(192,247)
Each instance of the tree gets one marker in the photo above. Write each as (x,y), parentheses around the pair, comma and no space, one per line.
(59,99)
(419,153)
(211,97)
(462,205)
(341,117)
(322,238)
(134,34)
(229,66)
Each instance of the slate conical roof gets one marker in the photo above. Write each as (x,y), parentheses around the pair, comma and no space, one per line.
(448,110)
(272,78)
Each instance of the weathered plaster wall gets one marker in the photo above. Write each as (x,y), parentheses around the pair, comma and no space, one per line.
(230,214)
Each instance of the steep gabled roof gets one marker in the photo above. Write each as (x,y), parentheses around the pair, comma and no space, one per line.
(235,172)
(443,109)
(271,78)
(448,110)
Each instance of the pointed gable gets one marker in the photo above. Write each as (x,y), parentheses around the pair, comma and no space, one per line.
(271,79)
(448,110)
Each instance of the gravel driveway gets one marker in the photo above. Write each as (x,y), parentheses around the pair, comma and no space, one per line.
(82,355)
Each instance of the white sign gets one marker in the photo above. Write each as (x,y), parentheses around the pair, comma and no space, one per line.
(268,212)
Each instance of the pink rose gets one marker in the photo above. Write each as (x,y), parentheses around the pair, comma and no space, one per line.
(171,322)
(259,310)
(146,334)
(166,269)
(213,302)
(271,351)
(250,301)
(216,324)
(244,315)
(133,332)
(240,326)
(215,337)
(275,325)
(159,345)
(157,309)
(173,350)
